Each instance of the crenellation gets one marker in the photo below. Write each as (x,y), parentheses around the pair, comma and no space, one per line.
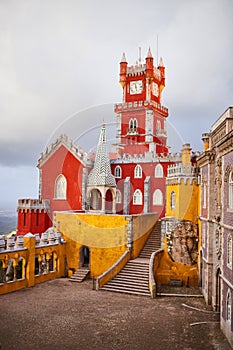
(34,204)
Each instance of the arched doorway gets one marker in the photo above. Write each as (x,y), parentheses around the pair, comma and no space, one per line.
(218,291)
(84,255)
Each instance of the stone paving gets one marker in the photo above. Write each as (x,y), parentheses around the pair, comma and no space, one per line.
(60,314)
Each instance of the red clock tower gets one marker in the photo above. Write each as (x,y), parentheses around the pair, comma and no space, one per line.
(141,118)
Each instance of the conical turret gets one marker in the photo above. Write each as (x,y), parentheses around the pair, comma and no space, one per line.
(101,174)
(123,70)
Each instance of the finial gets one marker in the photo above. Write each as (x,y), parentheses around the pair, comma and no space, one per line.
(140,55)
(161,62)
(149,54)
(123,58)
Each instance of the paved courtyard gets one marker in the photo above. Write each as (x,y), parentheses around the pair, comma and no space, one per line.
(64,315)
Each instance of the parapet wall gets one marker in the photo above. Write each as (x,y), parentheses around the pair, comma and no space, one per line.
(30,260)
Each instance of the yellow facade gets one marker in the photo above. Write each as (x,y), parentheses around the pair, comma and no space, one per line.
(165,269)
(186,200)
(106,236)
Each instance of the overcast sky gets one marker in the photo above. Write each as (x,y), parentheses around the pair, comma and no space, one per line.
(59,65)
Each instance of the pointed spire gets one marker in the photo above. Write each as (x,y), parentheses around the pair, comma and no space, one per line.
(161,62)
(101,174)
(149,54)
(123,58)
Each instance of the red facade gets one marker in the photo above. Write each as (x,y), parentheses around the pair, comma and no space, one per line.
(141,135)
(62,162)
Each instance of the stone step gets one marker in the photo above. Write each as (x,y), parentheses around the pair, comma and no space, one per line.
(80,275)
(133,274)
(136,279)
(135,270)
(127,285)
(126,291)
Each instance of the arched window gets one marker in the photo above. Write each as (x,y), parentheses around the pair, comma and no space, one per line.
(60,187)
(133,125)
(137,197)
(172,200)
(157,197)
(138,172)
(228,306)
(158,170)
(118,172)
(118,197)
(229,251)
(230,190)
(158,125)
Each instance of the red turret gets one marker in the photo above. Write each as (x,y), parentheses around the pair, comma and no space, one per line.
(149,65)
(123,70)
(162,71)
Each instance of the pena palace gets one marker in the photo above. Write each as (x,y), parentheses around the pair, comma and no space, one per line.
(132,182)
(137,219)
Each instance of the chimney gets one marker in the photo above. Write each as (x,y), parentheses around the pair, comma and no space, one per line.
(186,149)
(205,138)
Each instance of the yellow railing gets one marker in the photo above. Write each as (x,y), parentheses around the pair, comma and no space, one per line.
(152,267)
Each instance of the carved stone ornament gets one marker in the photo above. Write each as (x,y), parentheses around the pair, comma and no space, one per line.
(211,156)
(218,237)
(228,170)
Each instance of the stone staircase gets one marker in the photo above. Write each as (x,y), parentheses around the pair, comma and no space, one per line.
(133,279)
(80,275)
(153,243)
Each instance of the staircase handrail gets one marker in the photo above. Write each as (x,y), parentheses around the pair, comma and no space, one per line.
(152,283)
(113,270)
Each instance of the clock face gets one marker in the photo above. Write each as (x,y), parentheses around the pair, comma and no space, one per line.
(155,89)
(135,87)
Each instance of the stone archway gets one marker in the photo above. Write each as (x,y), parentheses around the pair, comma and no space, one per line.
(95,199)
(109,201)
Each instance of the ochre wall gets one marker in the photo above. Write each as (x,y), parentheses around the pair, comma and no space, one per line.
(187,201)
(165,269)
(105,235)
(142,227)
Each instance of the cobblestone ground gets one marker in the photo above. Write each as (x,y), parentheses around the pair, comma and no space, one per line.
(63,315)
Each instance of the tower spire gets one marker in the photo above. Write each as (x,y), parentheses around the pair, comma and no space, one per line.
(101,174)
(149,54)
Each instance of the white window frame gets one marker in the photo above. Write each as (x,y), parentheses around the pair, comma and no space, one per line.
(159,171)
(138,172)
(172,200)
(229,251)
(118,197)
(118,172)
(228,306)
(158,197)
(60,188)
(137,197)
